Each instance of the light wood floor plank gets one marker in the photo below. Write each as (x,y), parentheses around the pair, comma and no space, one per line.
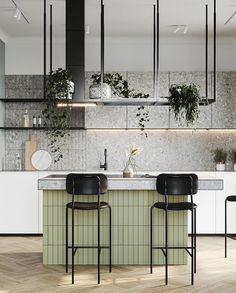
(21,271)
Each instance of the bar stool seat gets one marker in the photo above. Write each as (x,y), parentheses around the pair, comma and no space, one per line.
(230,198)
(178,206)
(86,185)
(175,185)
(87,205)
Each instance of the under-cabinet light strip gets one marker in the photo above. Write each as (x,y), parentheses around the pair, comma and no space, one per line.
(76,105)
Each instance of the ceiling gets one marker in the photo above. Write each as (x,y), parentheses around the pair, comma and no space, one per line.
(122,17)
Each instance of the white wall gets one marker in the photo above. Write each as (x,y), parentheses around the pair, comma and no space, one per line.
(25,56)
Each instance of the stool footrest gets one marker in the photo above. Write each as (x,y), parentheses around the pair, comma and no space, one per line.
(172,247)
(102,246)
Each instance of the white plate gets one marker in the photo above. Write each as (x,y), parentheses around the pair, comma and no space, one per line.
(41,160)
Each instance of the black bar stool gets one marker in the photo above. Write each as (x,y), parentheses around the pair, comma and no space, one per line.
(175,185)
(231,198)
(86,184)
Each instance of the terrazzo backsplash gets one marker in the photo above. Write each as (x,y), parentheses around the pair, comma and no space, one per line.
(115,128)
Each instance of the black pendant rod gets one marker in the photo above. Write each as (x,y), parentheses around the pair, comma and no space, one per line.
(50,38)
(154,51)
(44,49)
(206,52)
(102,45)
(214,85)
(157,46)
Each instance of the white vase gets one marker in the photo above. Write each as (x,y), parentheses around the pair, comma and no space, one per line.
(128,172)
(220,166)
(234,166)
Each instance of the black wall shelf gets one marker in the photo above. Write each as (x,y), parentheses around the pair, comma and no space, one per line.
(22,100)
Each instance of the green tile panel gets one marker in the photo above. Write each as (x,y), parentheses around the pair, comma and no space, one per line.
(130,228)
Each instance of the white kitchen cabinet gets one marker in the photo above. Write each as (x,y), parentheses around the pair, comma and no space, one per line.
(229,189)
(206,212)
(19,202)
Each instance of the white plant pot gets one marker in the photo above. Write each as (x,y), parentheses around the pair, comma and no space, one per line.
(220,167)
(95,91)
(234,166)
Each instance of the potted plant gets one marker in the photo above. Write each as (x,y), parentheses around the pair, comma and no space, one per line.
(130,163)
(56,119)
(184,101)
(120,88)
(233,158)
(220,157)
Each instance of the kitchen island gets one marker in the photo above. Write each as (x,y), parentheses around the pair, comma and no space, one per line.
(130,199)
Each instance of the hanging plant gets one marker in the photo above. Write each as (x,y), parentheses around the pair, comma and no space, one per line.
(120,87)
(57,119)
(184,101)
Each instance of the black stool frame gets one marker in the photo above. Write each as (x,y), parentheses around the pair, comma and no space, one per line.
(164,249)
(99,246)
(231,198)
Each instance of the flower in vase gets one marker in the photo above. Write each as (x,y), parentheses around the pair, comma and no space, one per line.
(131,153)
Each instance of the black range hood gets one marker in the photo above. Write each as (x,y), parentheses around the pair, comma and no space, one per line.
(75,45)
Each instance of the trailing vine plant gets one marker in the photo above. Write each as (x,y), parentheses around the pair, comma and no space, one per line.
(120,87)
(57,119)
(184,101)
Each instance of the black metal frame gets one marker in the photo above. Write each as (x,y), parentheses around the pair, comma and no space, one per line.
(226,234)
(165,248)
(207,101)
(99,246)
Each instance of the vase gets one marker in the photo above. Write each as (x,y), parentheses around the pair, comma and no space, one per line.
(220,166)
(95,91)
(234,166)
(128,172)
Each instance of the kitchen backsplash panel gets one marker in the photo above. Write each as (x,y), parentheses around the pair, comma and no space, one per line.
(162,150)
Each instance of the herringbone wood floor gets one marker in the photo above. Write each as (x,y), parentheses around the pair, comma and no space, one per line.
(21,270)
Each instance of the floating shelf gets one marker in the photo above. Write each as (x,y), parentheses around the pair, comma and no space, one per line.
(22,100)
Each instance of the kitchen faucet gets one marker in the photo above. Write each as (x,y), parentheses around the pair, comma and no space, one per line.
(104,166)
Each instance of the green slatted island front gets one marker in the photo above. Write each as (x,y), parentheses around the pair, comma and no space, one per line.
(130,199)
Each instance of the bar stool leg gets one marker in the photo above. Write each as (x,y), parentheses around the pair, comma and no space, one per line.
(99,249)
(226,228)
(73,244)
(110,240)
(151,239)
(166,246)
(192,244)
(195,240)
(67,240)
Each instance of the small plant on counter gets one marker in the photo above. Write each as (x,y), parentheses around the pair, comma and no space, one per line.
(120,88)
(56,119)
(130,163)
(220,157)
(184,101)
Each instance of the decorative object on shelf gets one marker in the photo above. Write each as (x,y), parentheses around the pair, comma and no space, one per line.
(95,91)
(233,158)
(39,121)
(31,146)
(220,157)
(34,121)
(41,160)
(184,101)
(120,88)
(26,119)
(56,119)
(130,164)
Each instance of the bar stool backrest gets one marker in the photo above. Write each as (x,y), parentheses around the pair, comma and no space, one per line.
(86,184)
(177,184)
